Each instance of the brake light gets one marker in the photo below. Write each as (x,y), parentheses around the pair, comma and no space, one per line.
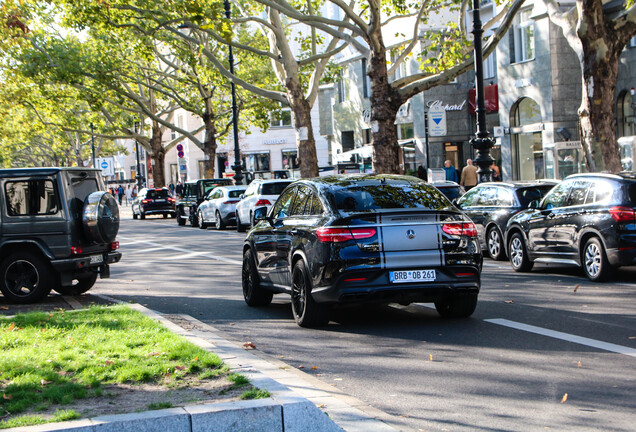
(146,201)
(460,228)
(337,235)
(623,214)
(76,250)
(170,199)
(262,202)
(114,245)
(355,280)
(231,202)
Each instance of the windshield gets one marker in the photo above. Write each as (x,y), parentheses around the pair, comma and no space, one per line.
(274,188)
(389,196)
(209,185)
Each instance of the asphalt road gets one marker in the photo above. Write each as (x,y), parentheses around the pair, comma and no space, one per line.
(546,350)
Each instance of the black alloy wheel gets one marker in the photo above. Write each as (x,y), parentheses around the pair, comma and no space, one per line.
(142,215)
(307,313)
(494,243)
(518,254)
(134,215)
(457,306)
(594,259)
(219,224)
(253,293)
(82,285)
(239,226)
(180,219)
(26,278)
(165,215)
(195,219)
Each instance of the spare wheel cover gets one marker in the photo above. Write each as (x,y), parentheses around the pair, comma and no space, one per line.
(101,217)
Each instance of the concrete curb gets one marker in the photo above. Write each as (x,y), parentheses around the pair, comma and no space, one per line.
(296,405)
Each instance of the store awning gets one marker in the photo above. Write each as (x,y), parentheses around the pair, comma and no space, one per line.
(364,152)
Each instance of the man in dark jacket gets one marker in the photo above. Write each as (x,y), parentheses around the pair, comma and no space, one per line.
(451,172)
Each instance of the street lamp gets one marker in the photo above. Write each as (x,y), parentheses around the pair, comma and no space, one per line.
(237,167)
(481,142)
(93,144)
(138,176)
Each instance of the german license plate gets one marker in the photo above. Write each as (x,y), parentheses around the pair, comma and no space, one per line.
(97,259)
(160,201)
(404,276)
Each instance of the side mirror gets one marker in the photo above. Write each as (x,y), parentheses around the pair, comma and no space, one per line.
(534,204)
(260,214)
(455,201)
(241,196)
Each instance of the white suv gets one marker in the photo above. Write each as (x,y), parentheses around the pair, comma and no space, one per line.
(260,193)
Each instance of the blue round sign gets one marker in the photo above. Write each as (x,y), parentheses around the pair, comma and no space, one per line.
(104,164)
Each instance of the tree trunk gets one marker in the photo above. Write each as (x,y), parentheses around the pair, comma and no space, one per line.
(209,144)
(307,158)
(158,155)
(385,103)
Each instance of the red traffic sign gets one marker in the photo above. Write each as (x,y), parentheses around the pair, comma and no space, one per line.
(180,148)
(180,154)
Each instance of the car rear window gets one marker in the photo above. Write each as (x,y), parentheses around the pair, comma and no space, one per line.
(236,193)
(451,192)
(389,196)
(274,188)
(632,194)
(529,194)
(157,194)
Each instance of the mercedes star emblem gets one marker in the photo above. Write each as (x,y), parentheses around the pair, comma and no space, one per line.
(410,234)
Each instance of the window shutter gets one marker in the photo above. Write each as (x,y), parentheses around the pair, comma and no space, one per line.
(511,45)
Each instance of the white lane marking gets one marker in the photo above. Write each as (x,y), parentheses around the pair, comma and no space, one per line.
(158,246)
(181,257)
(152,249)
(565,337)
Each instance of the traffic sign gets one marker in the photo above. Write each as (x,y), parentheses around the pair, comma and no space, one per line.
(437,120)
(180,154)
(107,166)
(180,148)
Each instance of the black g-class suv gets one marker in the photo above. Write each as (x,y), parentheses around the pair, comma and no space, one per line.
(194,192)
(57,231)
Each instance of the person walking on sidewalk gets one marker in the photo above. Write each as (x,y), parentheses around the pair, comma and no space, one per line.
(128,194)
(469,175)
(451,172)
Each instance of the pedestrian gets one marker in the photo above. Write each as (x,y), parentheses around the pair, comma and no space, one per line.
(469,175)
(120,193)
(421,173)
(134,192)
(179,189)
(451,172)
(496,172)
(128,194)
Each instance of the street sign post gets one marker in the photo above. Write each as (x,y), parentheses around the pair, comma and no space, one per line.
(107,165)
(437,120)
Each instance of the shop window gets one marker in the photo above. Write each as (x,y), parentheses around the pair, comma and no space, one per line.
(405,131)
(257,162)
(290,159)
(283,118)
(521,38)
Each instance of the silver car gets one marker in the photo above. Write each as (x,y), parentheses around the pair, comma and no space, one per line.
(260,193)
(219,206)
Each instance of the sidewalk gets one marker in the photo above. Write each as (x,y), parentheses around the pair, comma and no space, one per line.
(299,402)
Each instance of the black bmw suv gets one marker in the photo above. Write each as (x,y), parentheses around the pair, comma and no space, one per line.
(362,238)
(587,220)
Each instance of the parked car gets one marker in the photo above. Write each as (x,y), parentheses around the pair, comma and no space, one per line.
(192,195)
(154,201)
(587,220)
(58,231)
(450,189)
(362,238)
(219,206)
(260,193)
(491,205)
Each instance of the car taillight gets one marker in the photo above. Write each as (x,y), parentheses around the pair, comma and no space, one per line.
(262,202)
(623,214)
(231,202)
(460,228)
(76,250)
(146,201)
(170,199)
(114,245)
(337,235)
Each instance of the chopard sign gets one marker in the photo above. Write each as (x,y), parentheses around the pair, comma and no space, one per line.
(447,107)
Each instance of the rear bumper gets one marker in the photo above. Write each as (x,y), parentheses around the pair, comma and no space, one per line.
(376,287)
(158,210)
(81,263)
(618,257)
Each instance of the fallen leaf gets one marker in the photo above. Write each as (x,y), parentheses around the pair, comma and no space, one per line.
(314,367)
(196,359)
(180,367)
(6,396)
(430,357)
(248,345)
(109,362)
(580,364)
(11,326)
(64,373)
(576,288)
(564,398)
(153,354)
(45,382)
(509,301)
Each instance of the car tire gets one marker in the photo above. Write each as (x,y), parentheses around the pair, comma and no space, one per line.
(253,293)
(495,244)
(518,254)
(165,215)
(219,224)
(100,217)
(457,306)
(142,215)
(83,284)
(306,312)
(180,219)
(195,219)
(173,215)
(594,260)
(202,223)
(26,268)
(134,215)
(239,226)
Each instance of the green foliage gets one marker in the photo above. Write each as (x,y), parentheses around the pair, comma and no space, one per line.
(255,393)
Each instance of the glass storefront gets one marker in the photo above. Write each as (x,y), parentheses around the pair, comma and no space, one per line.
(257,162)
(290,159)
(527,147)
